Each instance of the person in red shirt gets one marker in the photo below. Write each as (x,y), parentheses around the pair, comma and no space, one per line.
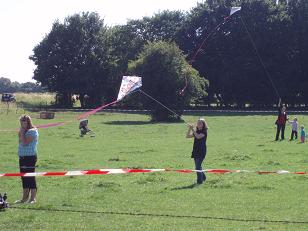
(281,120)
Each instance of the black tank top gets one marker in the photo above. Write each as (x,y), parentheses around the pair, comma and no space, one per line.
(199,148)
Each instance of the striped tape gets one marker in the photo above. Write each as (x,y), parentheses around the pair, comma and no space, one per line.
(126,171)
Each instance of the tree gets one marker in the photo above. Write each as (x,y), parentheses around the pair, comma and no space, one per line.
(124,46)
(128,40)
(5,85)
(74,59)
(163,69)
(162,26)
(298,11)
(228,57)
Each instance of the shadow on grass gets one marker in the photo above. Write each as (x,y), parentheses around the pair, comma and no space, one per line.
(127,122)
(186,187)
(238,113)
(160,215)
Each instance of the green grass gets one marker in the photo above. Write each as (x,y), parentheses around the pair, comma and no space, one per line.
(131,141)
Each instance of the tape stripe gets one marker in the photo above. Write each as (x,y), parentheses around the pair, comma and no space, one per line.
(126,171)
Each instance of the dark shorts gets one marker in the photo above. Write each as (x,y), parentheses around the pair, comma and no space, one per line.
(27,164)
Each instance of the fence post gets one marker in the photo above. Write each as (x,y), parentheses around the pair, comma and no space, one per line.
(7,108)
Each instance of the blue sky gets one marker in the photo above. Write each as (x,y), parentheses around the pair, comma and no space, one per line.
(24,23)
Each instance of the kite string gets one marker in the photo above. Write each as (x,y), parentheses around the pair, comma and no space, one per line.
(201,45)
(162,105)
(84,115)
(259,57)
(253,44)
(208,36)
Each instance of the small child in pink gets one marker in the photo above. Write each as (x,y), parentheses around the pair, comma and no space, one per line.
(303,134)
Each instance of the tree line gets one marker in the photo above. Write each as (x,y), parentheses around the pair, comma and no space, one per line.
(254,58)
(7,86)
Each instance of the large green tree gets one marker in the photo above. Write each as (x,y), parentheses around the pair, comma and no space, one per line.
(228,57)
(298,11)
(74,59)
(128,40)
(164,71)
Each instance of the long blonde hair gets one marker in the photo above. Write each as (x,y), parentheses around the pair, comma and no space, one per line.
(205,126)
(28,119)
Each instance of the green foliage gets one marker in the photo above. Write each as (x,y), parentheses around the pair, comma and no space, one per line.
(164,70)
(229,60)
(161,26)
(128,40)
(74,58)
(83,56)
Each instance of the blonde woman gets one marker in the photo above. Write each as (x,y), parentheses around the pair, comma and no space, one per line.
(199,149)
(27,152)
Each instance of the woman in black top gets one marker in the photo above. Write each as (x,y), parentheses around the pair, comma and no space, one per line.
(199,148)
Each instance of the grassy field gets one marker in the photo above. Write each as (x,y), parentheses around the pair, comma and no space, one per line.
(27,100)
(159,201)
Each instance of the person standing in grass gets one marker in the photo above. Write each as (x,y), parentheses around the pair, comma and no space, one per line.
(303,134)
(294,124)
(27,152)
(199,148)
(281,120)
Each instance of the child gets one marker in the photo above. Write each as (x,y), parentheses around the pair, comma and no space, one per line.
(294,124)
(83,126)
(303,134)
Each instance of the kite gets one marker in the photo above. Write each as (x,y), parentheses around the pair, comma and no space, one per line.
(129,85)
(234,10)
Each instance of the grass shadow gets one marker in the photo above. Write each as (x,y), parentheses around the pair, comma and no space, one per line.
(39,209)
(226,112)
(191,186)
(126,122)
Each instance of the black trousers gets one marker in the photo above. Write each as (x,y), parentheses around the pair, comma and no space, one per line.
(200,175)
(27,164)
(280,127)
(292,135)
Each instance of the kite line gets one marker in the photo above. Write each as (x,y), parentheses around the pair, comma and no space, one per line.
(259,57)
(162,105)
(233,11)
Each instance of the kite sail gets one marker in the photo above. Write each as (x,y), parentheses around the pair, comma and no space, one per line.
(277,2)
(129,84)
(234,9)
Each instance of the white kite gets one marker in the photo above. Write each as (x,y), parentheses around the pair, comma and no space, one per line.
(128,85)
(234,9)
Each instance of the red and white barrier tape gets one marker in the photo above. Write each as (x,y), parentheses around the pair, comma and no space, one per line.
(125,171)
